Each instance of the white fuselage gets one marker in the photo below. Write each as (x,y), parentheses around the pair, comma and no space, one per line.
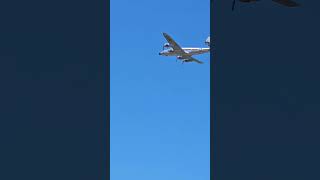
(189,51)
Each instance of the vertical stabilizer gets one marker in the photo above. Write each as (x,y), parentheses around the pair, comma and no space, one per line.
(208,41)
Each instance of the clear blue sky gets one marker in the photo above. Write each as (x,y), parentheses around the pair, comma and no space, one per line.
(160,109)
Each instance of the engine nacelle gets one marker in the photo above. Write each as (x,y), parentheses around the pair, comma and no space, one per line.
(180,57)
(166,45)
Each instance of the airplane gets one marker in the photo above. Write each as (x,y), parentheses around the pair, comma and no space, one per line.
(288,3)
(184,54)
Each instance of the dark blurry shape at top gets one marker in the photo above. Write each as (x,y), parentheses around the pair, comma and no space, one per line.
(288,3)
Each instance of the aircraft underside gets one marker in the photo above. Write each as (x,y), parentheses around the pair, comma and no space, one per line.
(171,48)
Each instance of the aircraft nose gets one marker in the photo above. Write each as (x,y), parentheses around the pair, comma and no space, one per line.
(159,53)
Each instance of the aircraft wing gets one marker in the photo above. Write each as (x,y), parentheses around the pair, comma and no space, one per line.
(173,44)
(191,59)
(288,3)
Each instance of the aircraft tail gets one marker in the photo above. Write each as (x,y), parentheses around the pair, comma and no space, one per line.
(208,41)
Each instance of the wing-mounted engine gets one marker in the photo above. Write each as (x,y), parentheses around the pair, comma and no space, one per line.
(207,42)
(180,57)
(166,46)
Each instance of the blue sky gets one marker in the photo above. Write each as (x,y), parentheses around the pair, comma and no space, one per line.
(160,109)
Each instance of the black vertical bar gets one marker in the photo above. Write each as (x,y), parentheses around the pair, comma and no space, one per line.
(212,146)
